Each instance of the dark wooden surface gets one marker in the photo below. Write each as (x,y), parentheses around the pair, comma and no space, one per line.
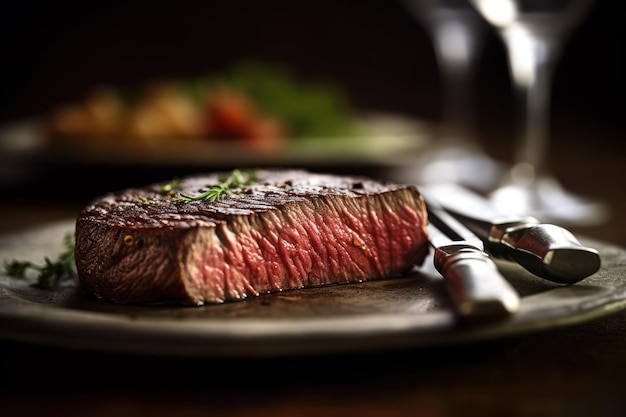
(572,372)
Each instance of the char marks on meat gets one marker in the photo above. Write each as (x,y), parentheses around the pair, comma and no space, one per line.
(289,229)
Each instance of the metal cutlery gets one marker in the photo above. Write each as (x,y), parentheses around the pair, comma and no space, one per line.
(479,291)
(546,250)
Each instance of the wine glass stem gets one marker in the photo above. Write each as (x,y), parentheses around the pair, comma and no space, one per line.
(532,64)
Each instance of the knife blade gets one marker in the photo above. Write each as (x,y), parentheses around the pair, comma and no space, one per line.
(479,291)
(546,250)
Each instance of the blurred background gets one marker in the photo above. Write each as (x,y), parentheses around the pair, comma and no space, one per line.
(374,57)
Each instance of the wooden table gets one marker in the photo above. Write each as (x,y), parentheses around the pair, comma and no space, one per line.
(573,371)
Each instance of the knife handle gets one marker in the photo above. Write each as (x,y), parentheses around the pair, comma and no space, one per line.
(549,251)
(478,289)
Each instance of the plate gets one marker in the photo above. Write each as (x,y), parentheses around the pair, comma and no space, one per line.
(409,312)
(30,160)
(379,137)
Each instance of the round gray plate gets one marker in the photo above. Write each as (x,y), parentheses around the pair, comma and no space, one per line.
(409,312)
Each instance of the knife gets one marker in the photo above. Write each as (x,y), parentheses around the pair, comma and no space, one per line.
(479,291)
(546,250)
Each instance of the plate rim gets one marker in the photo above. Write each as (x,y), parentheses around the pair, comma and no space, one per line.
(30,321)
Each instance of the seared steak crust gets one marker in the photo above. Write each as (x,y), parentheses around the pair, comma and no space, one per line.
(289,229)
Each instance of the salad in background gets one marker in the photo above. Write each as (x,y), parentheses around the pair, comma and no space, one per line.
(259,106)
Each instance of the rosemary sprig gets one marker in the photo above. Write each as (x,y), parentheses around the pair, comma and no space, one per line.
(51,273)
(235,180)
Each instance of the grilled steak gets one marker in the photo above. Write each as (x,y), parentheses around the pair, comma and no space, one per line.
(288,229)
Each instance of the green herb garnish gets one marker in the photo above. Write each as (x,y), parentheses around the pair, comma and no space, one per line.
(51,273)
(311,110)
(236,179)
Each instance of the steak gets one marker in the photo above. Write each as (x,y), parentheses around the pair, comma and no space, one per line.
(287,229)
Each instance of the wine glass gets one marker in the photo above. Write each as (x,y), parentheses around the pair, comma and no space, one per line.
(534,32)
(457,32)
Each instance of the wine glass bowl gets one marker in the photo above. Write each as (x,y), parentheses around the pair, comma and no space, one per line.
(534,33)
(457,33)
(550,18)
